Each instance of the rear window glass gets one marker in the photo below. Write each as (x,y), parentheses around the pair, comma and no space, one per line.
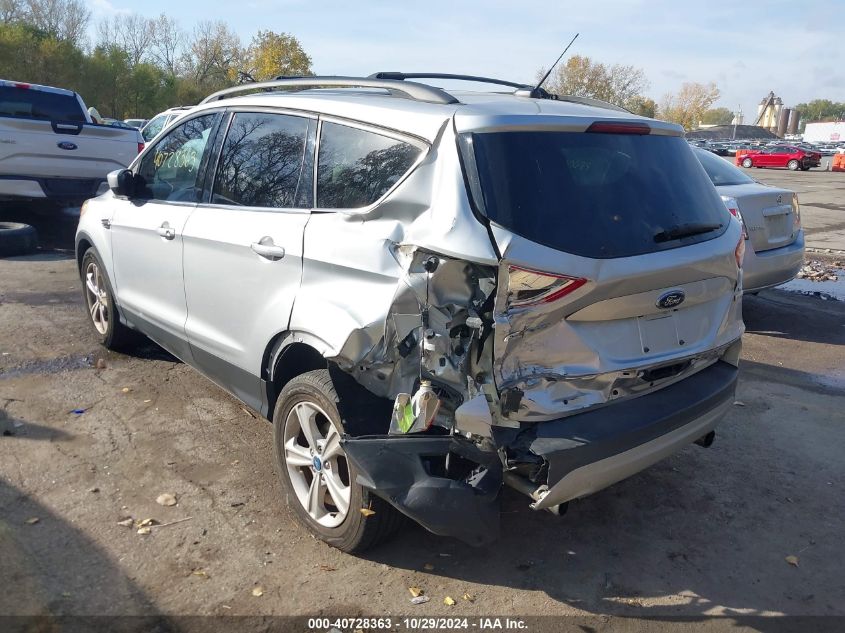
(38,104)
(720,171)
(596,195)
(357,167)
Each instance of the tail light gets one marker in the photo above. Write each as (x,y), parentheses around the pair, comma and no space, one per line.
(528,287)
(796,214)
(733,207)
(140,147)
(739,252)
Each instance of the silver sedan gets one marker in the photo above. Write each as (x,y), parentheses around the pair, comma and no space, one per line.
(771,220)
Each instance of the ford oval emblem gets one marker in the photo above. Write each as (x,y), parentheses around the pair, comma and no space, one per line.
(66,145)
(671,299)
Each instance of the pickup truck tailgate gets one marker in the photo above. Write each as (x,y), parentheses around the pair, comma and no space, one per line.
(44,149)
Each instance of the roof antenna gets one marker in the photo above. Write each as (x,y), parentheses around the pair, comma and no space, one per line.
(538,92)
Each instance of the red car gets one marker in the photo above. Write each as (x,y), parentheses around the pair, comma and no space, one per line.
(782,156)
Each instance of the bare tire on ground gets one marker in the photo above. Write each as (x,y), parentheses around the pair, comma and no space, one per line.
(792,165)
(747,162)
(99,302)
(17,239)
(318,482)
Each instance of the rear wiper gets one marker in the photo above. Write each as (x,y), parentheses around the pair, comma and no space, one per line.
(684,230)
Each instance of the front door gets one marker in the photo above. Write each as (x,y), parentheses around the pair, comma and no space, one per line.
(243,246)
(147,233)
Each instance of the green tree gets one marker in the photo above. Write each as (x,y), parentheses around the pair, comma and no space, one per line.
(272,54)
(821,110)
(717,116)
(643,106)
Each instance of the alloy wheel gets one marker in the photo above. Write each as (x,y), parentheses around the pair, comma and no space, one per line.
(97,298)
(316,464)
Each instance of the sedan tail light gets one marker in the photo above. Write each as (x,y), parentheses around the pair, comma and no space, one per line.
(140,147)
(733,207)
(528,287)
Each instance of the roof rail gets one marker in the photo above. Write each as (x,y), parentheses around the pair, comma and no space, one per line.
(410,90)
(484,80)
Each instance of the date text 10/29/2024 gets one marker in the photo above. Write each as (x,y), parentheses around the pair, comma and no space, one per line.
(482,624)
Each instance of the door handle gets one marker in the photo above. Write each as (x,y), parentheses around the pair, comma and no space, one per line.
(266,248)
(166,232)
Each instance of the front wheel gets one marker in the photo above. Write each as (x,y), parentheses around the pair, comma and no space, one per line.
(792,165)
(747,163)
(318,481)
(99,301)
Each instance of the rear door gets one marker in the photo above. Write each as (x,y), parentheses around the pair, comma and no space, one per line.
(147,232)
(618,273)
(243,246)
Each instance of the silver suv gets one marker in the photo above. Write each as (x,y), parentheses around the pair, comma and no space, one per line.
(430,294)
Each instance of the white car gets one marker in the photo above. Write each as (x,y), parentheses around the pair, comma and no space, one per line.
(154,126)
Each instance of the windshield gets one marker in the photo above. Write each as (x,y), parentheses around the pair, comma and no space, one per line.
(721,172)
(595,195)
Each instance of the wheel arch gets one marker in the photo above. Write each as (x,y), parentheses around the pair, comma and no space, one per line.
(286,356)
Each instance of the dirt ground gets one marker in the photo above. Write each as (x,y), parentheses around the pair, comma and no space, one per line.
(708,531)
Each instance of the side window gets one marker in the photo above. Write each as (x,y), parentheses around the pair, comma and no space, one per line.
(171,170)
(357,167)
(264,162)
(152,128)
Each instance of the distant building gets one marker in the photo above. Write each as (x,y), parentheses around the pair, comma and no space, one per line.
(825,132)
(727,131)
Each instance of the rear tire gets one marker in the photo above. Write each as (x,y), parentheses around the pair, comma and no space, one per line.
(17,239)
(99,303)
(323,493)
(747,163)
(793,165)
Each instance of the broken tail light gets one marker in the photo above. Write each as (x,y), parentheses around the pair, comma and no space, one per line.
(527,287)
(733,207)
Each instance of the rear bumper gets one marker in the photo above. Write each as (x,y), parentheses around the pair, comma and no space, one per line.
(59,189)
(593,450)
(773,267)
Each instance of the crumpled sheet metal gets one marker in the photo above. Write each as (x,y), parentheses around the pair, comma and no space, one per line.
(385,357)
(392,467)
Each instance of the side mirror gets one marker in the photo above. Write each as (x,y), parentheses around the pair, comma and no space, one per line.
(122,182)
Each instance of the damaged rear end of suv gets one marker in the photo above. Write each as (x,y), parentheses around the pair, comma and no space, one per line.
(550,299)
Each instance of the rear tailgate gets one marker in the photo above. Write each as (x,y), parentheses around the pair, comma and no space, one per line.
(618,271)
(768,213)
(53,149)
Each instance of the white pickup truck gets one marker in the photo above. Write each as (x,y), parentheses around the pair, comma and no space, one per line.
(51,149)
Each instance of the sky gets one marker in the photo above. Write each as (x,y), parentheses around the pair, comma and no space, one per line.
(749,47)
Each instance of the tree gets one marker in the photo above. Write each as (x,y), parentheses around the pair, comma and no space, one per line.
(215,55)
(717,116)
(821,110)
(63,19)
(582,77)
(131,32)
(168,41)
(643,106)
(272,54)
(689,105)
(12,11)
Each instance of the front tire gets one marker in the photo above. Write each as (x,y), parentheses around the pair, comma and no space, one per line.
(318,482)
(747,163)
(99,302)
(792,165)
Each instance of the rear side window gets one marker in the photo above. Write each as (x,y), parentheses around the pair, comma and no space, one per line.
(263,164)
(39,104)
(152,128)
(596,195)
(720,171)
(357,167)
(171,170)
